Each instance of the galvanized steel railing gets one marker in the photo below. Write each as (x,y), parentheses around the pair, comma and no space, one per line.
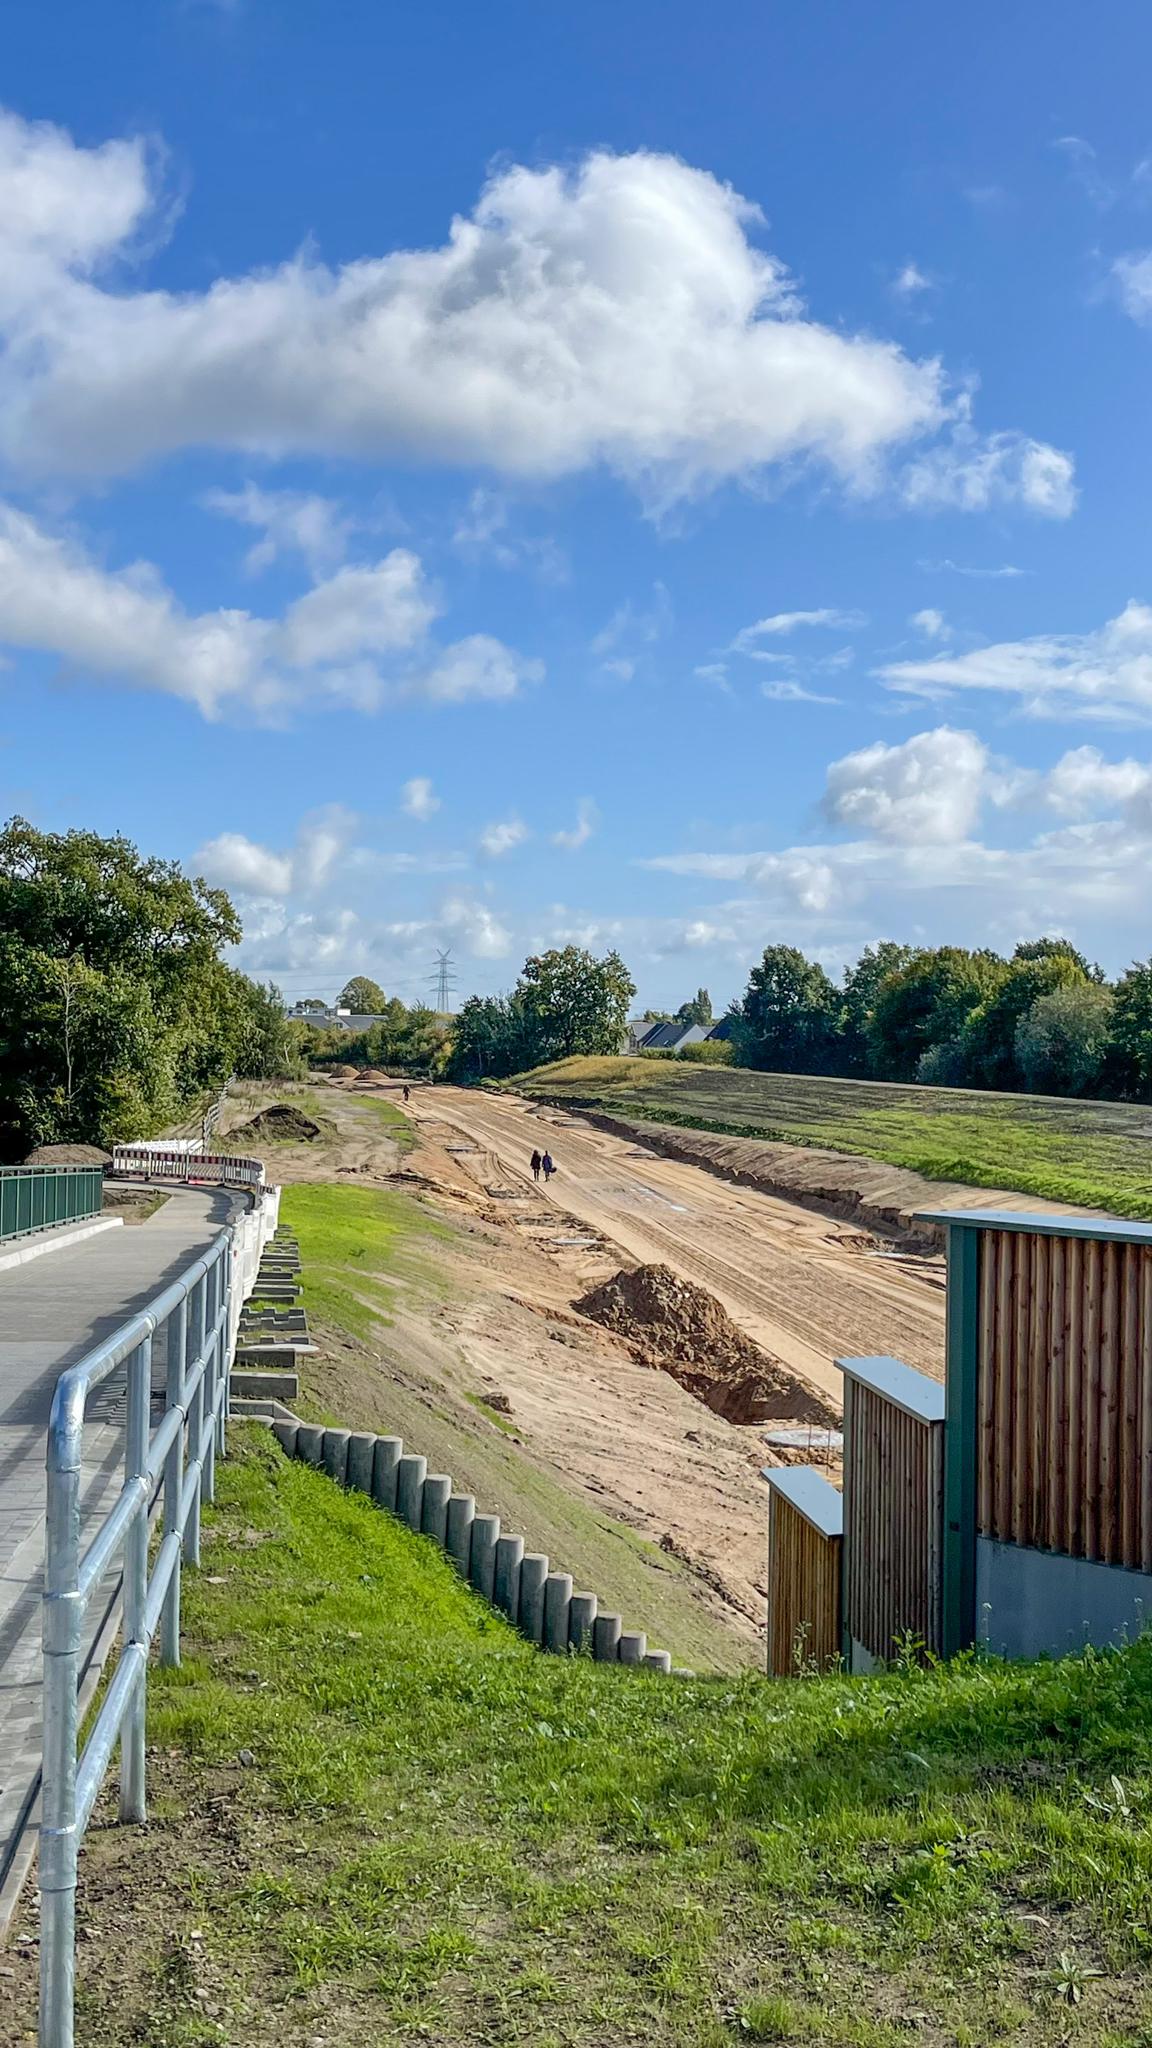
(172,1465)
(35,1198)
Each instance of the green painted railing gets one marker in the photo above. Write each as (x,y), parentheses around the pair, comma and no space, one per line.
(38,1197)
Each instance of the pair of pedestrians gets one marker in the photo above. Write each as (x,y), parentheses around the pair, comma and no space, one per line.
(542,1164)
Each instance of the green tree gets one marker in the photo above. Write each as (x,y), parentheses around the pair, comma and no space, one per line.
(928,1003)
(1131,1046)
(1062,1041)
(698,1011)
(574,1003)
(361,995)
(862,985)
(988,1040)
(789,1014)
(490,1040)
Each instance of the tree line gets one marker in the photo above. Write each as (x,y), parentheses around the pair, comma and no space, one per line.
(117,1012)
(1044,1020)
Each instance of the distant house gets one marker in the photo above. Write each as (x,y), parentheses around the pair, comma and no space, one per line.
(672,1037)
(726,1029)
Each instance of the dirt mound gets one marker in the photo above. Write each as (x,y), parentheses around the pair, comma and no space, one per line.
(68,1155)
(280,1124)
(343,1073)
(673,1324)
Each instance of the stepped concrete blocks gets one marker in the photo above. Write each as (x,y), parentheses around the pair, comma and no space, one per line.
(557,1601)
(361,1457)
(286,1434)
(310,1443)
(385,1466)
(336,1454)
(506,1578)
(581,1618)
(658,1660)
(533,1573)
(482,1564)
(458,1534)
(633,1647)
(606,1638)
(434,1511)
(410,1476)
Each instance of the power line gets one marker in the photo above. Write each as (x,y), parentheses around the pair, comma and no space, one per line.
(443,980)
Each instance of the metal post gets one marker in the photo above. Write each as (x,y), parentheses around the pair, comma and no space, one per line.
(226,1272)
(59,1843)
(132,1806)
(177,1342)
(211,1381)
(958,1619)
(195,1424)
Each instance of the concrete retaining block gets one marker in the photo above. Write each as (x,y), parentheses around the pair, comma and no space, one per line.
(336,1454)
(581,1619)
(361,1454)
(606,1638)
(286,1434)
(533,1573)
(385,1466)
(658,1660)
(633,1646)
(458,1534)
(310,1443)
(482,1564)
(434,1512)
(557,1601)
(506,1578)
(410,1476)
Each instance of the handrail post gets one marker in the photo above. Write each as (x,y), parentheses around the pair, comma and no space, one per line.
(132,1790)
(196,1422)
(176,1337)
(59,1842)
(210,1379)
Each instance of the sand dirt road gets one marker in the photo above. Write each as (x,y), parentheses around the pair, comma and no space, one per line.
(808,1289)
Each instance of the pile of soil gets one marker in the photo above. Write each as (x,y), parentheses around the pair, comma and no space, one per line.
(280,1124)
(68,1155)
(343,1073)
(682,1329)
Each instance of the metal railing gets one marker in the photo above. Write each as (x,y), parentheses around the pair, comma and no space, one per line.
(172,1465)
(34,1198)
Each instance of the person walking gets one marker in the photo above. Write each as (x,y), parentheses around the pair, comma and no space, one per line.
(536,1163)
(549,1165)
(406,1091)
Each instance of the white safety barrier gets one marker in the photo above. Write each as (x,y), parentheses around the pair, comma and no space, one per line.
(156,1162)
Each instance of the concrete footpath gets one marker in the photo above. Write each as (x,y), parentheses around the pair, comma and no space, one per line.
(52,1311)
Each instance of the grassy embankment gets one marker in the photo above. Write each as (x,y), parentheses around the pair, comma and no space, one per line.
(1095,1154)
(378,1815)
(365,1252)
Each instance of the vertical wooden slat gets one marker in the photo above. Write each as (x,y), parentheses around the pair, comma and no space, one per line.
(1057,1394)
(1106,1479)
(1038,1370)
(1128,1448)
(1074,1485)
(1002,1466)
(986,1433)
(803,1592)
(1088,1477)
(1021,1438)
(1145,1392)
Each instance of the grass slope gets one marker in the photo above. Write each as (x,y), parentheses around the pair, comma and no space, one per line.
(1096,1154)
(378,1815)
(358,1247)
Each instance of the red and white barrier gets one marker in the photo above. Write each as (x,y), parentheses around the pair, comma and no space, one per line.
(159,1162)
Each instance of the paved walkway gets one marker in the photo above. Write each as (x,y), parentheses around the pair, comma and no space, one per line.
(52,1311)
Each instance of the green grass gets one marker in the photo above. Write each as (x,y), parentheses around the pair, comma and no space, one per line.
(351,1240)
(1093,1154)
(443,1836)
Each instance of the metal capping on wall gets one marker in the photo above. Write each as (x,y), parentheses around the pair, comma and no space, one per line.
(805,1531)
(893,1506)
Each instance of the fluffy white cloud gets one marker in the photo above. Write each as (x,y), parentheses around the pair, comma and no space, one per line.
(1133,275)
(502,836)
(235,862)
(587,818)
(418,799)
(1082,784)
(926,791)
(969,474)
(910,282)
(748,639)
(127,625)
(1105,675)
(298,522)
(476,927)
(931,623)
(617,313)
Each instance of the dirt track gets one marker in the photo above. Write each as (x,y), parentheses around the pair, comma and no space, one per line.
(806,1288)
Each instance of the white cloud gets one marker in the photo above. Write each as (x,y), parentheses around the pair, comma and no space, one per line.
(1082,784)
(233,861)
(785,690)
(418,798)
(1105,675)
(928,790)
(127,625)
(616,313)
(931,623)
(587,818)
(1084,168)
(483,533)
(746,641)
(1133,275)
(291,522)
(970,474)
(502,837)
(910,282)
(476,927)
(1006,569)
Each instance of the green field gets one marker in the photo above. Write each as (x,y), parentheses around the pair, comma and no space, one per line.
(1095,1154)
(378,1815)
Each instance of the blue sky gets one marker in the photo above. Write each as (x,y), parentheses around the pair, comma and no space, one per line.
(485,477)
